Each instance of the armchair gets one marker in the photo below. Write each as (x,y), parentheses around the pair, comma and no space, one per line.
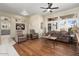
(33,34)
(20,37)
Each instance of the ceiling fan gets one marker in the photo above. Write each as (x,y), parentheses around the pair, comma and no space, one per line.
(50,8)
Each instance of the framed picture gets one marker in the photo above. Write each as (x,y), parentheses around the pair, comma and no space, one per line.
(5,26)
(20,26)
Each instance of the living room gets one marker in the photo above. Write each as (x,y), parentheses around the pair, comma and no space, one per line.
(37,32)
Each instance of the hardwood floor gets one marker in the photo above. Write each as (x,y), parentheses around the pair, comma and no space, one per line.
(44,47)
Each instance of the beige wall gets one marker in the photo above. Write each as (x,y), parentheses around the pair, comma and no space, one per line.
(35,23)
(26,25)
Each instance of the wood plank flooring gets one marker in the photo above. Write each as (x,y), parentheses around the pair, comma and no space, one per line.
(44,47)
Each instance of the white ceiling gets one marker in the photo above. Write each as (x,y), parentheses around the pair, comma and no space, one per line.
(34,8)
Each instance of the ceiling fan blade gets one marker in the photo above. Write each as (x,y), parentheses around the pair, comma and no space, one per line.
(43,8)
(54,8)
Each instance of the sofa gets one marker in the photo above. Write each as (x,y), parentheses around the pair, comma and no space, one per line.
(62,36)
(20,37)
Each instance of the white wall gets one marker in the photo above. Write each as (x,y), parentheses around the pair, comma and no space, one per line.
(26,21)
(35,23)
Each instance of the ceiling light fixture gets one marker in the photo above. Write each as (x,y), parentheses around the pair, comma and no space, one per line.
(24,13)
(49,8)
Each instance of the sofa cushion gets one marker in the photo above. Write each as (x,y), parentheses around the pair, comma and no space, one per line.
(53,38)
